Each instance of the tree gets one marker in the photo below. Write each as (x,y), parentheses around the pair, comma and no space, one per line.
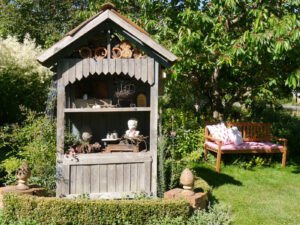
(230,51)
(23,81)
(246,52)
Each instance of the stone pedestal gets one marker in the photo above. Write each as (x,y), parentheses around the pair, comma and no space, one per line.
(197,200)
(33,190)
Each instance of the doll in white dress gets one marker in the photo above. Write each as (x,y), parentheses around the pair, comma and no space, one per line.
(132,125)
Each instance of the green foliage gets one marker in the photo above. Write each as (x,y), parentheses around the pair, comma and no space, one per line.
(82,211)
(5,221)
(217,214)
(284,124)
(34,142)
(182,144)
(23,81)
(248,162)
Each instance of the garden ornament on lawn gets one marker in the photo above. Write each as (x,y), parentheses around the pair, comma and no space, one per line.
(23,173)
(187,179)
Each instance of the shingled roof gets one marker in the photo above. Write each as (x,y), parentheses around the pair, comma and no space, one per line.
(107,14)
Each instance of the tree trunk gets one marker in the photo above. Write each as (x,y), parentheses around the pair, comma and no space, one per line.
(216,99)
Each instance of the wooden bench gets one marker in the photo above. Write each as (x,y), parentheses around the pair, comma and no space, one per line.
(257,139)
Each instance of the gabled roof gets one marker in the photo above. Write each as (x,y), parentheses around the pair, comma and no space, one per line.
(108,14)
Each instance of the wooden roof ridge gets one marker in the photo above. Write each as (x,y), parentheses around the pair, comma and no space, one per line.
(60,49)
(131,22)
(81,25)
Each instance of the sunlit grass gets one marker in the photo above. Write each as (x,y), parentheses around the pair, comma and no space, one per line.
(264,196)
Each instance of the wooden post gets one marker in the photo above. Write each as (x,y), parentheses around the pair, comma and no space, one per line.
(60,127)
(108,44)
(283,163)
(153,127)
(219,155)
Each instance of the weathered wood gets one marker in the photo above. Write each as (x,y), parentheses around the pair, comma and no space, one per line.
(125,66)
(105,67)
(144,70)
(55,50)
(133,177)
(95,178)
(79,180)
(60,128)
(141,36)
(65,75)
(108,158)
(103,178)
(66,180)
(109,47)
(151,71)
(153,128)
(148,177)
(124,109)
(73,174)
(92,66)
(127,181)
(86,179)
(111,66)
(86,67)
(79,74)
(118,66)
(120,178)
(99,67)
(106,195)
(111,174)
(131,65)
(78,68)
(137,69)
(141,176)
(72,70)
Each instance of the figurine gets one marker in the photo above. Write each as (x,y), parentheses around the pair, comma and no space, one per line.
(86,147)
(132,125)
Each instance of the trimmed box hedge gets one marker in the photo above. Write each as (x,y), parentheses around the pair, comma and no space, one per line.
(90,212)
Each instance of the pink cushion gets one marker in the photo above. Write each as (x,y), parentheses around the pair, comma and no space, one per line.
(219,131)
(246,146)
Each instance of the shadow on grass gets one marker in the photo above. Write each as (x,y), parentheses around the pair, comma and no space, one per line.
(295,162)
(213,178)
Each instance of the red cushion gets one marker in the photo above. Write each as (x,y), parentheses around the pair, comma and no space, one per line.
(246,146)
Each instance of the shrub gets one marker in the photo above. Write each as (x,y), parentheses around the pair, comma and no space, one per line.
(218,214)
(34,142)
(23,81)
(184,140)
(82,211)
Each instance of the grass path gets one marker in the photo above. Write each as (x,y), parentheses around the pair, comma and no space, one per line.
(262,196)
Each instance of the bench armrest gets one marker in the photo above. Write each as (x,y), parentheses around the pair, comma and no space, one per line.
(284,140)
(210,138)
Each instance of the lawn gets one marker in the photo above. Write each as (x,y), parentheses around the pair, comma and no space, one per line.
(264,196)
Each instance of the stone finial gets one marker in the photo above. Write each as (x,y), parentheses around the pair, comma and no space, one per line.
(187,179)
(23,173)
(107,6)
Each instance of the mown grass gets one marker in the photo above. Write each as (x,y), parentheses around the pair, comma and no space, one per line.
(262,195)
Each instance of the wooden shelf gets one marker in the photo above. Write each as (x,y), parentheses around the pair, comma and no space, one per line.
(124,109)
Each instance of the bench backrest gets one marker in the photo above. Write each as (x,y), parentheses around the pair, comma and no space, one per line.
(253,131)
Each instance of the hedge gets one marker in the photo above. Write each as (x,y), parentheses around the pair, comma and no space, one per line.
(84,211)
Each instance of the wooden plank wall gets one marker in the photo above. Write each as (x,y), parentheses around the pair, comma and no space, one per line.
(102,178)
(76,69)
